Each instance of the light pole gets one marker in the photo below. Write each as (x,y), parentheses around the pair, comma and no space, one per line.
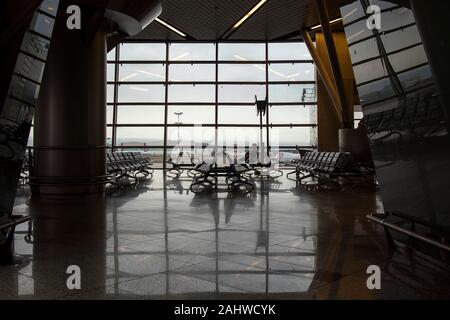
(178,114)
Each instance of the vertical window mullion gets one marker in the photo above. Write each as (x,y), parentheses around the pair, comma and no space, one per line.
(166,107)
(116,96)
(216,121)
(267,96)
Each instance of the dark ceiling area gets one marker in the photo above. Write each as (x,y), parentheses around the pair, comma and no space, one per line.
(212,20)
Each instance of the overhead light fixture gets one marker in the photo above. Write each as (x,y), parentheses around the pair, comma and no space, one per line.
(129,77)
(181,56)
(138,89)
(168,26)
(249,14)
(331,22)
(151,74)
(293,75)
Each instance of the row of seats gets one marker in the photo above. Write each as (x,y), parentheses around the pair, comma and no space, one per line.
(127,164)
(319,164)
(206,177)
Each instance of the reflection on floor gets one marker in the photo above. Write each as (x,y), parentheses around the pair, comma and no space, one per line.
(153,242)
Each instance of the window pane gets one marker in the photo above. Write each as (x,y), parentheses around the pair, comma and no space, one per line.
(108,136)
(289,51)
(241,93)
(242,72)
(143,51)
(190,136)
(30,142)
(111,56)
(142,72)
(238,115)
(297,136)
(358,115)
(192,52)
(109,114)
(192,72)
(140,114)
(191,114)
(291,93)
(141,93)
(191,93)
(293,115)
(291,72)
(110,93)
(242,51)
(241,136)
(140,136)
(110,72)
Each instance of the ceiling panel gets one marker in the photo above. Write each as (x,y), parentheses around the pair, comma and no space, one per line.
(275,19)
(209,20)
(200,19)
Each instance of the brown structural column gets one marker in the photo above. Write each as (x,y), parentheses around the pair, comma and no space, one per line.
(70,122)
(328,122)
(333,59)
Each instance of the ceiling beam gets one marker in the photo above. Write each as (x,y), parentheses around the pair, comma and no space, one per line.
(324,75)
(324,18)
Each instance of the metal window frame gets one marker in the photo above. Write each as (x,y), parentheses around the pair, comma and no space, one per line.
(116,103)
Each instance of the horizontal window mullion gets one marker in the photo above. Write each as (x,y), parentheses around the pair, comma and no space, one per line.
(212,125)
(191,62)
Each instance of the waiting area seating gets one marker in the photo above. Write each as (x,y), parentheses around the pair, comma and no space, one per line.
(179,165)
(132,165)
(324,167)
(207,174)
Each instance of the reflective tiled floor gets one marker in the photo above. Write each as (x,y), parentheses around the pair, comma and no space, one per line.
(159,241)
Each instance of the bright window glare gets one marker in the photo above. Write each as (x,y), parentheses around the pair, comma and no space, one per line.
(193,98)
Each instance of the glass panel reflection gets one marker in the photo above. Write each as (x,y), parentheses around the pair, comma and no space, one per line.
(141,93)
(142,72)
(192,72)
(143,51)
(140,114)
(242,72)
(191,114)
(241,93)
(191,93)
(291,72)
(140,136)
(192,52)
(242,51)
(289,51)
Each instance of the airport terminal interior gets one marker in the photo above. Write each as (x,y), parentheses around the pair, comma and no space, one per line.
(260,149)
